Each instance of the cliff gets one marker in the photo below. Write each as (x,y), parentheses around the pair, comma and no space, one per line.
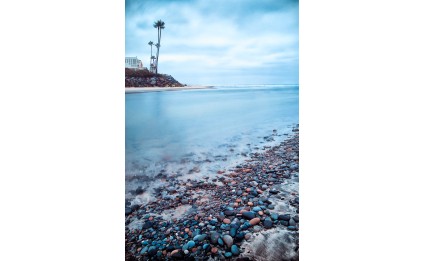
(144,78)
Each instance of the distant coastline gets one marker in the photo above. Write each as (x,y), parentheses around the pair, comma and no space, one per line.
(157,88)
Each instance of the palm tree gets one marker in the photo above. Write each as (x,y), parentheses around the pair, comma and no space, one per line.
(160,25)
(152,63)
(150,43)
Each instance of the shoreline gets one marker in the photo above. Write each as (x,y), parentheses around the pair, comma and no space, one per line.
(157,88)
(225,215)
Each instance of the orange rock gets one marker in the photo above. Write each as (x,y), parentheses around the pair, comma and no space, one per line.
(186,230)
(226,221)
(250,204)
(174,251)
(213,250)
(150,218)
(238,200)
(260,213)
(254,221)
(248,189)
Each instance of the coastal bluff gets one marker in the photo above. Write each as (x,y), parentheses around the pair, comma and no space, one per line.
(144,78)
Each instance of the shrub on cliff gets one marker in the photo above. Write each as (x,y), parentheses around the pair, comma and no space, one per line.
(138,73)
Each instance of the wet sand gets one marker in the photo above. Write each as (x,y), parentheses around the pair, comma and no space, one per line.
(156,89)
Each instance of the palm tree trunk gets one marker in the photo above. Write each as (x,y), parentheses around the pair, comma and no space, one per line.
(157,50)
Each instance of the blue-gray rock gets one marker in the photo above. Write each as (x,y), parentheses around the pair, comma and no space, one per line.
(229,212)
(296,218)
(292,222)
(228,254)
(228,240)
(190,244)
(233,232)
(274,216)
(235,250)
(268,223)
(152,250)
(285,217)
(256,209)
(148,224)
(292,228)
(220,241)
(200,237)
(248,215)
(206,247)
(284,222)
(144,250)
(214,237)
(273,191)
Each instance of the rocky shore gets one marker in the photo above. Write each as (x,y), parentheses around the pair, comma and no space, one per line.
(248,212)
(144,78)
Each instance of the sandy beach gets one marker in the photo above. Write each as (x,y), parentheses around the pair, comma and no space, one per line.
(157,89)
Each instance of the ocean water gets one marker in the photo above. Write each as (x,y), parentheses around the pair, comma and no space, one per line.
(195,133)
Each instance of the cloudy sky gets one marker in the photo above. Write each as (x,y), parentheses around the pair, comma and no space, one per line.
(218,41)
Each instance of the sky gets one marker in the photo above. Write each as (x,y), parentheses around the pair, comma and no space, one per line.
(217,42)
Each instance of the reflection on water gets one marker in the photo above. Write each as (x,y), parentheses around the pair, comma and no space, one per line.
(197,132)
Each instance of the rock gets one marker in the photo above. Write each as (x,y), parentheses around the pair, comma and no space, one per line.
(248,236)
(214,250)
(144,250)
(220,241)
(152,250)
(292,222)
(233,231)
(200,237)
(228,240)
(228,254)
(257,228)
(226,221)
(235,250)
(186,252)
(206,247)
(214,237)
(256,209)
(274,216)
(176,253)
(190,244)
(248,215)
(285,217)
(229,212)
(254,221)
(268,223)
(292,228)
(273,191)
(148,224)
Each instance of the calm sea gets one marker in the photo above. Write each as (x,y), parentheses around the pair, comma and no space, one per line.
(194,133)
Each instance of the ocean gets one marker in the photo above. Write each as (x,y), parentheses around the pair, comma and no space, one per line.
(195,133)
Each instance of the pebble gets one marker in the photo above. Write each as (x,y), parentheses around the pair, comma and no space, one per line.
(256,209)
(214,250)
(268,223)
(228,240)
(214,237)
(226,221)
(285,217)
(200,237)
(254,221)
(191,244)
(248,215)
(235,250)
(228,254)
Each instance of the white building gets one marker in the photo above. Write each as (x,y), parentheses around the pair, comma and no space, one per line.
(133,62)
